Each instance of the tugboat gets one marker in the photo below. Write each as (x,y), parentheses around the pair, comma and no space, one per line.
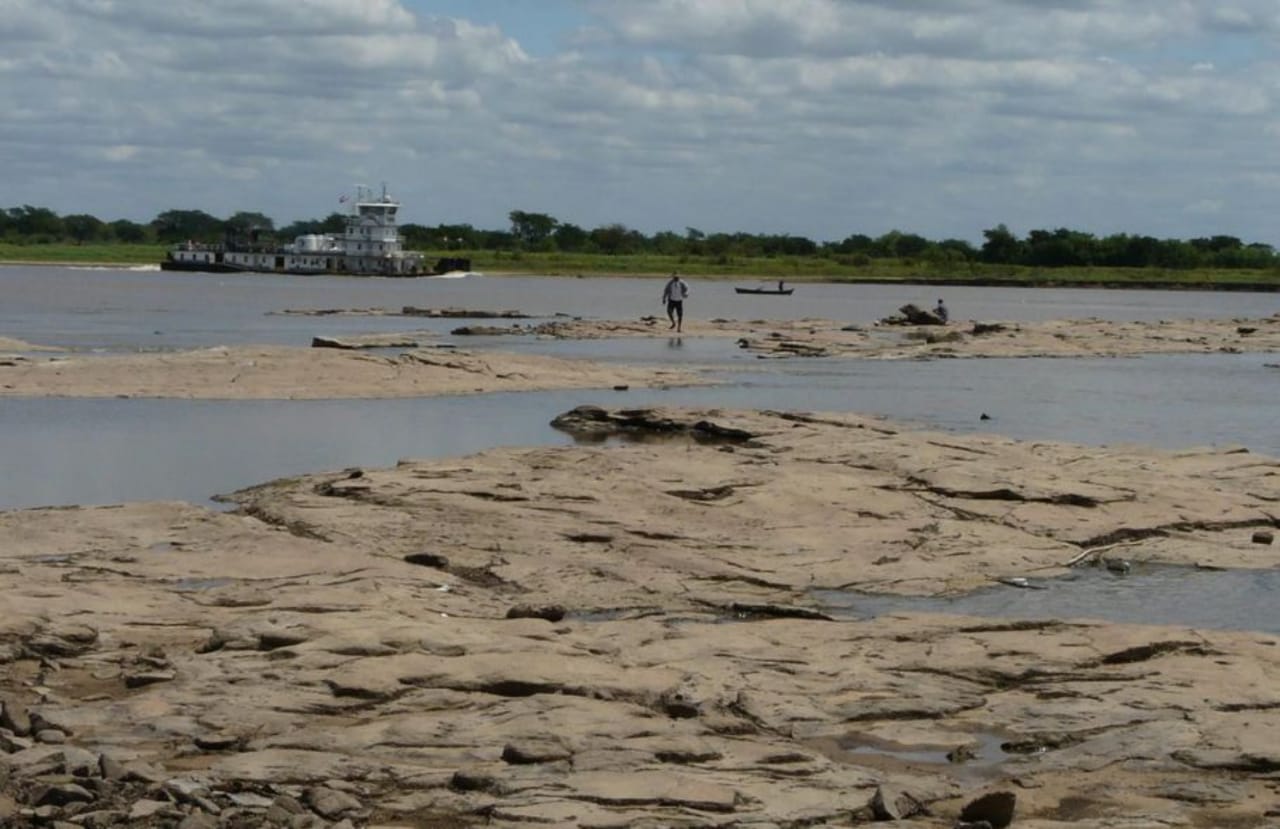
(368,246)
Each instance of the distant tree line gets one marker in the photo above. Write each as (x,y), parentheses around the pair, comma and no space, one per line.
(541,232)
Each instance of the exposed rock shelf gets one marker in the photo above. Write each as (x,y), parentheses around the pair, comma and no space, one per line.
(624,634)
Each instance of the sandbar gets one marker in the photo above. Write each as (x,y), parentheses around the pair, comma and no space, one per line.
(10,344)
(832,338)
(289,373)
(432,368)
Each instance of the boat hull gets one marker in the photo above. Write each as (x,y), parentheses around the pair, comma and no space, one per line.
(210,265)
(199,267)
(765,291)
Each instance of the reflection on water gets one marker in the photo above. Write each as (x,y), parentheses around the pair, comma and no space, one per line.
(971,755)
(111,451)
(1148,594)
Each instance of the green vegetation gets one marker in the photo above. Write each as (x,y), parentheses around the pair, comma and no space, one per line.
(841,269)
(101,253)
(539,243)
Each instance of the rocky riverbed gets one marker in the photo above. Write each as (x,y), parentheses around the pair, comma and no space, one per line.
(427,366)
(832,338)
(626,632)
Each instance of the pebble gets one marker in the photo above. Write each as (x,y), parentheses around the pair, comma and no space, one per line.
(143,678)
(198,820)
(331,803)
(143,809)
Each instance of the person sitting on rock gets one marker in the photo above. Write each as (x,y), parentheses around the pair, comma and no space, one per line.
(941,311)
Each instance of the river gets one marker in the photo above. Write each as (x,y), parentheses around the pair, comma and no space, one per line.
(76,451)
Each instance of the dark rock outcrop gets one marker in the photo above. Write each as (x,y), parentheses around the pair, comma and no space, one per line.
(911,314)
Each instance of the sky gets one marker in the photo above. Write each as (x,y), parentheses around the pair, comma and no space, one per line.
(819,118)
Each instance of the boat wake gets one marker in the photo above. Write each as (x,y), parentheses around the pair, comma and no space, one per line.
(113,267)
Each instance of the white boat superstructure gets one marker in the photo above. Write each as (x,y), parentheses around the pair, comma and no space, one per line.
(369,245)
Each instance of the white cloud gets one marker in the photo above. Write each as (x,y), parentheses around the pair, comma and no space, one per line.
(120,152)
(819,117)
(772,28)
(1206,207)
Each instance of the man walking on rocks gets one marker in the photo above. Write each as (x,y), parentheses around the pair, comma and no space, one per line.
(674,295)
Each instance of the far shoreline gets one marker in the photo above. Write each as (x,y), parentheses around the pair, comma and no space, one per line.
(1070,278)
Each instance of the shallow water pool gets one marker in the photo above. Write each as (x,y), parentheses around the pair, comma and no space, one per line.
(1148,595)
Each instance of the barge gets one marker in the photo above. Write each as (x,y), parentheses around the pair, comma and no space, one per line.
(368,246)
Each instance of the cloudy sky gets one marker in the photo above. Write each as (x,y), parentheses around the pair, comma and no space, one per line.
(815,117)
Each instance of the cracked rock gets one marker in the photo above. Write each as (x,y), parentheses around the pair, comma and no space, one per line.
(63,640)
(531,752)
(14,717)
(892,803)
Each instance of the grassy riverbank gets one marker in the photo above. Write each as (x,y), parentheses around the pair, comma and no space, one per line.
(855,269)
(793,268)
(70,254)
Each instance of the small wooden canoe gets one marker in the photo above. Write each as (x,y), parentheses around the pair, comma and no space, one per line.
(766,291)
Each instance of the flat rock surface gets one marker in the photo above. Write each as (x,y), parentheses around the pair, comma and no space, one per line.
(299,659)
(280,372)
(1053,338)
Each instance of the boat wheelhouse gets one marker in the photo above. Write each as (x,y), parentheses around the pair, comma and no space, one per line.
(369,245)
